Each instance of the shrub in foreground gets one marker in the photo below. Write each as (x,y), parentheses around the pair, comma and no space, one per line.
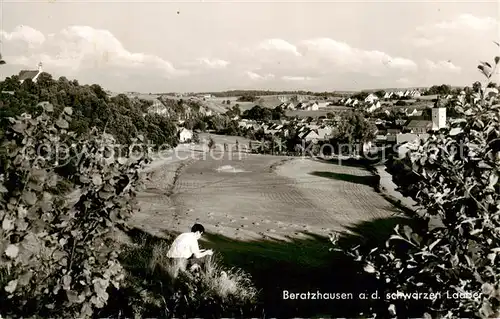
(55,258)
(454,175)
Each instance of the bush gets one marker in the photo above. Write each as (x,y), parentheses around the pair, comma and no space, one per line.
(454,175)
(152,290)
(56,210)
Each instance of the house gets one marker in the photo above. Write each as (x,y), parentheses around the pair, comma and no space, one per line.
(309,136)
(393,131)
(373,107)
(30,74)
(414,112)
(185,135)
(371,98)
(419,126)
(312,107)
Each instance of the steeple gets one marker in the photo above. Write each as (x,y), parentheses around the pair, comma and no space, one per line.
(40,67)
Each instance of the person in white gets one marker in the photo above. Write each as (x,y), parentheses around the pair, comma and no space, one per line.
(185,248)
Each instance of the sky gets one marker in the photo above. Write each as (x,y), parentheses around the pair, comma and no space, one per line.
(200,46)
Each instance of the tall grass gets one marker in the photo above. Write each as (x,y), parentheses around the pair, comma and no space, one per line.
(155,288)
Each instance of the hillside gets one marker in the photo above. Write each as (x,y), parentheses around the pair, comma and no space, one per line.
(119,115)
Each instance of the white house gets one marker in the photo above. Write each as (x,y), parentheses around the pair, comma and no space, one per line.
(309,135)
(30,74)
(371,98)
(185,135)
(373,107)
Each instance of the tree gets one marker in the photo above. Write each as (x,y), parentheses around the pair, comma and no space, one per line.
(380,94)
(353,129)
(57,260)
(454,175)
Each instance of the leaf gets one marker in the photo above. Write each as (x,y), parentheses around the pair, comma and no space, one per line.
(497,59)
(66,282)
(97,179)
(11,286)
(408,231)
(487,64)
(493,180)
(68,110)
(46,106)
(105,195)
(369,269)
(122,160)
(29,198)
(431,246)
(7,224)
(25,278)
(62,123)
(12,251)
(19,127)
(3,189)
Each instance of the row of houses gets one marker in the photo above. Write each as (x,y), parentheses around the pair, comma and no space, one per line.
(305,131)
(304,106)
(412,129)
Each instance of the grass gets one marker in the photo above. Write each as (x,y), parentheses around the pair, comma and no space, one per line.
(153,290)
(253,285)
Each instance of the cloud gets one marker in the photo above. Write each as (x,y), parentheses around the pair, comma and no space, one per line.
(25,34)
(296,78)
(468,21)
(348,58)
(278,45)
(426,42)
(454,29)
(257,77)
(319,57)
(446,66)
(79,48)
(212,63)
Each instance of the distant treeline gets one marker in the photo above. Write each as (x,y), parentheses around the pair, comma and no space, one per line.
(267,92)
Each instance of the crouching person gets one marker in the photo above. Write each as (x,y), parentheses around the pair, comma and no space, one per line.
(185,252)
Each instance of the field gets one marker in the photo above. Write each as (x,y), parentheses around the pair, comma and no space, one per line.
(247,196)
(270,216)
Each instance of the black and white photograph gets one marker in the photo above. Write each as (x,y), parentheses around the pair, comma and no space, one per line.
(249,159)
